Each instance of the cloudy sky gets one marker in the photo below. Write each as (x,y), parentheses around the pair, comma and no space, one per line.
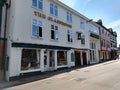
(107,10)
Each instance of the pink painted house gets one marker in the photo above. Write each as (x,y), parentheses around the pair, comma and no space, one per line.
(105,50)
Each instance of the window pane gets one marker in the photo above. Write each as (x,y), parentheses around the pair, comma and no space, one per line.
(62,58)
(52,34)
(40,4)
(56,11)
(34,22)
(69,17)
(30,59)
(39,23)
(40,31)
(34,30)
(56,35)
(82,25)
(34,3)
(52,26)
(56,27)
(51,9)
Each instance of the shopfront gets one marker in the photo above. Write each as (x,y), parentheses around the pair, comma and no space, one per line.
(81,57)
(30,58)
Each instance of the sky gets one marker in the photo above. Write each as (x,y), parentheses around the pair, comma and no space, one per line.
(107,10)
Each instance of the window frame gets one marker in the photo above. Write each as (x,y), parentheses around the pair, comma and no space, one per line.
(53,9)
(82,24)
(69,17)
(39,4)
(38,25)
(54,31)
(69,36)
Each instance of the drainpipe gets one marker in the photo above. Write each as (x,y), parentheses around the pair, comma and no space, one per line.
(4,37)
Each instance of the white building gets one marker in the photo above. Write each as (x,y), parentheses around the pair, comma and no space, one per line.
(94,43)
(44,35)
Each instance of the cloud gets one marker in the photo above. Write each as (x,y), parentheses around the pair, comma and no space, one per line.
(114,24)
(70,3)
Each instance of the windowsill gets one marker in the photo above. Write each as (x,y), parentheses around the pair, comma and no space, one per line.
(69,22)
(53,40)
(69,42)
(53,15)
(41,38)
(37,8)
(83,44)
(32,70)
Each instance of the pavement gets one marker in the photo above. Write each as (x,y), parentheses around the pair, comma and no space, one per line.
(7,84)
(49,75)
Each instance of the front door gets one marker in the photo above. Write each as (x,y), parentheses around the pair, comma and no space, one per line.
(2,60)
(84,56)
(77,58)
(49,60)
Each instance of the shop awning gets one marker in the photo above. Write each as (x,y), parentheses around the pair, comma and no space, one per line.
(28,45)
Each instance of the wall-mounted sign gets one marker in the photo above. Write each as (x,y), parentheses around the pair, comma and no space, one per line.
(39,14)
(59,22)
(43,16)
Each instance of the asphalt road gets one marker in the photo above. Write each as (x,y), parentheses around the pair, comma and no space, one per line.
(104,76)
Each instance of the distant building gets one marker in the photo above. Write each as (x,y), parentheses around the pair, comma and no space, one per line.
(94,42)
(105,45)
(113,40)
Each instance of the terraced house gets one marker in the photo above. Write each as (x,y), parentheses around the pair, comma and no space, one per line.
(45,35)
(105,49)
(113,41)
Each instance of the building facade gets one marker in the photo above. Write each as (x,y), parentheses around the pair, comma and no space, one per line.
(113,40)
(94,43)
(41,38)
(105,49)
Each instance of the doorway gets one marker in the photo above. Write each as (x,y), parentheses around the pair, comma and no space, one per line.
(2,60)
(84,56)
(49,60)
(77,58)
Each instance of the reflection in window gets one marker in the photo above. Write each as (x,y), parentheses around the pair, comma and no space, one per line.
(30,59)
(62,58)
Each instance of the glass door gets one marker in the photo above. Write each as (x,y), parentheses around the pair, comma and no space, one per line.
(51,60)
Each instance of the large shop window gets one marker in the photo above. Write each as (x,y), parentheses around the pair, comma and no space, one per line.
(30,59)
(62,58)
(36,28)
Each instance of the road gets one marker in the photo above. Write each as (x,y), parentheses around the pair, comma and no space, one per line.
(104,76)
